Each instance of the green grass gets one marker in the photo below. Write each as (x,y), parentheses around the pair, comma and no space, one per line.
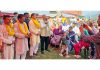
(53,54)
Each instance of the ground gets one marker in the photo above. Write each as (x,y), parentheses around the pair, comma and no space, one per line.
(53,54)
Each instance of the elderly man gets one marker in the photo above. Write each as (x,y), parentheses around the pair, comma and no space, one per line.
(45,34)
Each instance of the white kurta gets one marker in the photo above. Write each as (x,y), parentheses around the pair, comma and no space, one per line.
(8,52)
(34,39)
(21,43)
(76,30)
(45,29)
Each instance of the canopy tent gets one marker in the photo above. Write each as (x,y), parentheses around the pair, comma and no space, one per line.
(75,13)
(6,13)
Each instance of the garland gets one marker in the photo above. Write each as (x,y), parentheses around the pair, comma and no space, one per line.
(10,29)
(23,30)
(36,23)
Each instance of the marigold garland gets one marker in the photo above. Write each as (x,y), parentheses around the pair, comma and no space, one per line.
(23,30)
(36,23)
(10,29)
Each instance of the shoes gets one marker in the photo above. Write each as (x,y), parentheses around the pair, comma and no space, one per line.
(42,52)
(48,50)
(31,57)
(35,54)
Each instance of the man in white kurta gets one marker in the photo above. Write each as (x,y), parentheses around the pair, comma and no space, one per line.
(35,38)
(7,40)
(45,34)
(21,43)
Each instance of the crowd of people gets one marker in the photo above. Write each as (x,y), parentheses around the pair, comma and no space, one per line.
(24,33)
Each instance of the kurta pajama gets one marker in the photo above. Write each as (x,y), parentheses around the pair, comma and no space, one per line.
(8,50)
(34,39)
(45,34)
(21,43)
